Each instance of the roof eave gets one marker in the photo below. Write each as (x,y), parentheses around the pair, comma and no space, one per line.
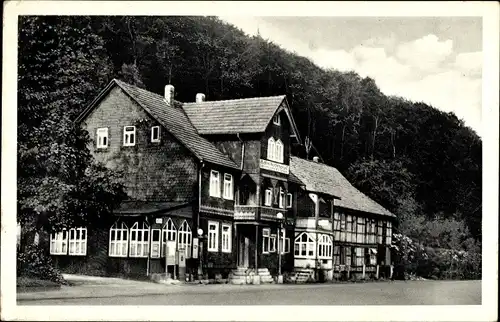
(95,101)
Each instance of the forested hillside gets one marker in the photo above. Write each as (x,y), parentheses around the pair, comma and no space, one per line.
(419,162)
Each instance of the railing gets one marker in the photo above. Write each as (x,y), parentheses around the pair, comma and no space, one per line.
(310,222)
(269,213)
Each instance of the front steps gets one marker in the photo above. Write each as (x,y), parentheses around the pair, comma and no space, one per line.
(302,275)
(243,275)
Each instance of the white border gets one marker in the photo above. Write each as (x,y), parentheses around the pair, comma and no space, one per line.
(487,311)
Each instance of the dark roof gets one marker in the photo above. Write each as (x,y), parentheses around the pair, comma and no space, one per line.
(177,123)
(146,207)
(246,115)
(322,178)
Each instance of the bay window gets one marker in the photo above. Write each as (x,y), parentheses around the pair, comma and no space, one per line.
(139,240)
(304,245)
(78,241)
(325,246)
(185,238)
(118,240)
(59,243)
(169,234)
(213,236)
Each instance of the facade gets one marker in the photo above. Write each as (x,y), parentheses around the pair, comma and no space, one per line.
(210,186)
(339,231)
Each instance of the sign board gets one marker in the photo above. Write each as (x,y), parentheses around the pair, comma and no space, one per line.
(171,260)
(195,247)
(273,166)
(182,257)
(159,221)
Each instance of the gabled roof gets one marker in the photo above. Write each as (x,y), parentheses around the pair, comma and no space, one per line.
(322,178)
(172,118)
(246,115)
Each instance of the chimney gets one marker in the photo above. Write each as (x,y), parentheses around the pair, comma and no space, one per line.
(200,97)
(316,159)
(169,94)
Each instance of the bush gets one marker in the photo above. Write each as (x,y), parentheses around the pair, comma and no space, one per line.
(34,263)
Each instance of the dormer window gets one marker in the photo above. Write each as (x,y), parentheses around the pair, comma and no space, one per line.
(129,136)
(155,134)
(276,119)
(102,138)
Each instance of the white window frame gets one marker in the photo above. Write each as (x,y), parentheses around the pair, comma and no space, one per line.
(281,199)
(268,197)
(168,233)
(226,238)
(139,246)
(309,246)
(157,139)
(285,243)
(185,238)
(213,236)
(118,247)
(59,243)
(228,186)
(271,149)
(272,243)
(278,154)
(289,200)
(214,183)
(276,119)
(102,133)
(127,135)
(266,240)
(77,246)
(155,244)
(325,246)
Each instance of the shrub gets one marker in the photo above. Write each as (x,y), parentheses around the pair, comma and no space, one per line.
(33,262)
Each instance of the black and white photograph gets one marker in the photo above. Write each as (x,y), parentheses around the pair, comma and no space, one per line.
(250,161)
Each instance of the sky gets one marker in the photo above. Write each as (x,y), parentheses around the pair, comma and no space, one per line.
(436,60)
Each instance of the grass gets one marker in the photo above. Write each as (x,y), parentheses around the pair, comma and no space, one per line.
(25,283)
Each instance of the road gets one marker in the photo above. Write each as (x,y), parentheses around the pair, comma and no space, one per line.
(382,293)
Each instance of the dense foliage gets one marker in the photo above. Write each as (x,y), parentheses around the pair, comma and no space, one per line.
(419,162)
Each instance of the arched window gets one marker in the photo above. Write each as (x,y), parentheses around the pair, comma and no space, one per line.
(271,149)
(139,240)
(169,233)
(304,246)
(118,240)
(278,154)
(185,237)
(325,246)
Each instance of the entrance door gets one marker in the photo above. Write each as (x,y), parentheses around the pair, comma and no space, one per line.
(243,251)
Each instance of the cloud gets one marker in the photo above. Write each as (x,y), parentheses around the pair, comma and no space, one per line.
(425,53)
(470,63)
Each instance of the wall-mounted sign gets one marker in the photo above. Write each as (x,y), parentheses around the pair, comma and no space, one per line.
(195,247)
(159,220)
(273,166)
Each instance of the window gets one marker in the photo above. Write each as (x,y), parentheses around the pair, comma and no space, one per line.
(389,233)
(213,236)
(271,148)
(272,243)
(276,119)
(169,234)
(155,243)
(278,154)
(285,242)
(226,238)
(214,184)
(325,246)
(304,246)
(228,186)
(266,240)
(139,240)
(349,228)
(185,237)
(360,230)
(289,200)
(155,134)
(102,138)
(59,243)
(282,199)
(129,136)
(268,197)
(118,240)
(78,241)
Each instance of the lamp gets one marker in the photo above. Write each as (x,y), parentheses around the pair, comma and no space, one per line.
(200,232)
(279,216)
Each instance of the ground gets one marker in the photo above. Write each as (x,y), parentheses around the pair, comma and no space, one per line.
(120,292)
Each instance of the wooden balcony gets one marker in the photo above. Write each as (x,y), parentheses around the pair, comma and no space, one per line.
(244,212)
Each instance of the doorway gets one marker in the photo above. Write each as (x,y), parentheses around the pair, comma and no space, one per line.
(243,251)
